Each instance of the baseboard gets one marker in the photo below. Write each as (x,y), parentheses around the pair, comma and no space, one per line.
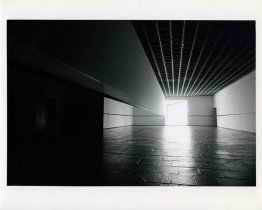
(118,126)
(179,125)
(184,125)
(236,129)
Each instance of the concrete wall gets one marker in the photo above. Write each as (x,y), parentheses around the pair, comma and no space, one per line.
(200,110)
(105,56)
(236,105)
(117,114)
(146,117)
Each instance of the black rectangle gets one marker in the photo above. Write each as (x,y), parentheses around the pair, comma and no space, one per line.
(54,129)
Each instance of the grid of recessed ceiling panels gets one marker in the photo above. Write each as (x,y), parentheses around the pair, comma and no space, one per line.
(194,58)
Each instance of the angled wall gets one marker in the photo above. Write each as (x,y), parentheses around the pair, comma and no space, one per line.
(236,105)
(117,114)
(75,65)
(146,117)
(105,56)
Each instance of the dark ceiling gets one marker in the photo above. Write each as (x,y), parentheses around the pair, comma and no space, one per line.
(198,58)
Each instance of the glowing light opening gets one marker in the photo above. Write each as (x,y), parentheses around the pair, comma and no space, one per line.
(176,112)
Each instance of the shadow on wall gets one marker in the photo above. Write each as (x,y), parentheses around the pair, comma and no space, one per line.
(54,127)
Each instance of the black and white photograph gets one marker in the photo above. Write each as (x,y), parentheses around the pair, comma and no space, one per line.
(131,103)
(154,103)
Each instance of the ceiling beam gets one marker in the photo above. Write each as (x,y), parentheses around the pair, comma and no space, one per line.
(204,65)
(163,57)
(224,59)
(172,58)
(237,72)
(208,70)
(189,60)
(198,59)
(192,58)
(181,56)
(238,76)
(223,73)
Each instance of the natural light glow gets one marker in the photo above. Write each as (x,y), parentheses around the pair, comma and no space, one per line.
(176,112)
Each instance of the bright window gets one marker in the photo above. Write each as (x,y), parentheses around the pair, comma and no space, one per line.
(176,112)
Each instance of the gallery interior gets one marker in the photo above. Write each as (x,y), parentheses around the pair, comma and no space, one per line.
(131,103)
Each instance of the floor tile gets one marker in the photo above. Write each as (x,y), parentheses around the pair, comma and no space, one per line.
(156,156)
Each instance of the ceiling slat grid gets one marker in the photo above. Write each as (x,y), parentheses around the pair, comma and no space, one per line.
(194,58)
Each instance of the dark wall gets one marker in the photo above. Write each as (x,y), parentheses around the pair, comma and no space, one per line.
(107,50)
(54,129)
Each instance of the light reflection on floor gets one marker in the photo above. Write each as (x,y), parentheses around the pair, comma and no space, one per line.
(178,155)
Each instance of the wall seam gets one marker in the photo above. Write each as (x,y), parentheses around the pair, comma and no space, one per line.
(236,114)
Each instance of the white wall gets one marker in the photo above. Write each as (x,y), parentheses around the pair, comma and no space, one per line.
(200,110)
(146,117)
(236,105)
(117,114)
(126,69)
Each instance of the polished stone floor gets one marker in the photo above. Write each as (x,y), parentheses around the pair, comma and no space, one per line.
(178,155)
